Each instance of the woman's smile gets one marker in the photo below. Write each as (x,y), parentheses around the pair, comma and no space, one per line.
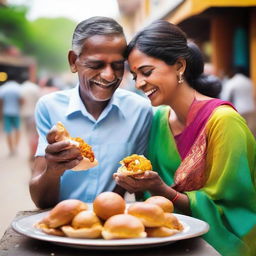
(151,92)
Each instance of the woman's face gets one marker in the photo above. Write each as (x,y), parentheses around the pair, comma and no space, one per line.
(154,77)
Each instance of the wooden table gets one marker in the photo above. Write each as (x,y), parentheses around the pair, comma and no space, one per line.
(14,244)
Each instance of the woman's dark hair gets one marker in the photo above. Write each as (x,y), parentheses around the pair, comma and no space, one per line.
(167,42)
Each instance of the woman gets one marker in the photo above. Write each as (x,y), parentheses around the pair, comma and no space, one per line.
(202,151)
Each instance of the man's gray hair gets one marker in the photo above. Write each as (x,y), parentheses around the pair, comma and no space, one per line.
(94,26)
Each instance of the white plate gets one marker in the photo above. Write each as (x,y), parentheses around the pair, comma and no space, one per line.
(192,228)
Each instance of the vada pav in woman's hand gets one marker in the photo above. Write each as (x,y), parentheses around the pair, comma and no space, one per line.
(134,165)
(135,174)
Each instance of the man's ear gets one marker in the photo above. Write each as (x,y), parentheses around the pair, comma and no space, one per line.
(72,61)
(180,65)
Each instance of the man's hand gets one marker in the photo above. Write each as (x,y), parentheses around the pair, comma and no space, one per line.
(47,170)
(62,156)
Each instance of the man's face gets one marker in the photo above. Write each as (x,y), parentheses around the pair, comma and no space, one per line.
(100,66)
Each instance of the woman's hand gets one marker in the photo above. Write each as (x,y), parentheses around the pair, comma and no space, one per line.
(153,183)
(150,181)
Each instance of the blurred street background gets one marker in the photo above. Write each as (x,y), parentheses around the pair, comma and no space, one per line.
(14,177)
(34,42)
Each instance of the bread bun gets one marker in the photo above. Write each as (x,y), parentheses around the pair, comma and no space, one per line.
(108,204)
(151,215)
(60,133)
(123,226)
(172,222)
(161,201)
(84,225)
(160,232)
(134,165)
(49,231)
(63,213)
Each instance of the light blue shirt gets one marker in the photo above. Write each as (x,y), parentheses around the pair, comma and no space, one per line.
(122,129)
(10,93)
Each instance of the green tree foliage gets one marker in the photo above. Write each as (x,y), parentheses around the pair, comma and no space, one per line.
(48,40)
(14,27)
(52,40)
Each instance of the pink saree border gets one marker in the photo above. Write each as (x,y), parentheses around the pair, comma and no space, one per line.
(192,146)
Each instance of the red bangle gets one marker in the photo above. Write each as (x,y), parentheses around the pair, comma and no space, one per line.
(176,197)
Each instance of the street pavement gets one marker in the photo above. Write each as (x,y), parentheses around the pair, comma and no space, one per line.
(14,177)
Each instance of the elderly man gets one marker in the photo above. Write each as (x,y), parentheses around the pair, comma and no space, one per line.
(115,122)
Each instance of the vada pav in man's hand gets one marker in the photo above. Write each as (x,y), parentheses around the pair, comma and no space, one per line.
(60,133)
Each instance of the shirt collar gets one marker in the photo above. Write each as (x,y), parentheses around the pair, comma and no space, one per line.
(76,104)
(116,101)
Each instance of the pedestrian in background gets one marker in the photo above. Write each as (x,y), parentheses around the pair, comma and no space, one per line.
(239,90)
(48,87)
(30,94)
(11,101)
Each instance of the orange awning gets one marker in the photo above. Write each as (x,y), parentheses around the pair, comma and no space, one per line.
(193,7)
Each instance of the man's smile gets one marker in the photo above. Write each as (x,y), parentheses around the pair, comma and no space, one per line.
(104,85)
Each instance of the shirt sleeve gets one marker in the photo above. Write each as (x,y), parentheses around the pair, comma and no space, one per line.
(43,125)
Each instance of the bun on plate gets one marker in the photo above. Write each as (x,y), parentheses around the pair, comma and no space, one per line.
(108,204)
(160,232)
(151,215)
(49,231)
(161,201)
(60,133)
(123,226)
(63,213)
(84,225)
(134,165)
(172,222)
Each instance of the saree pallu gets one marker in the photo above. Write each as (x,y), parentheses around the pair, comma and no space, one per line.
(227,198)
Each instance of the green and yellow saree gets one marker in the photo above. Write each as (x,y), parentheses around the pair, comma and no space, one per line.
(217,172)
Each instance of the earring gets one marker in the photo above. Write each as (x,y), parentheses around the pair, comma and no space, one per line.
(181,78)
